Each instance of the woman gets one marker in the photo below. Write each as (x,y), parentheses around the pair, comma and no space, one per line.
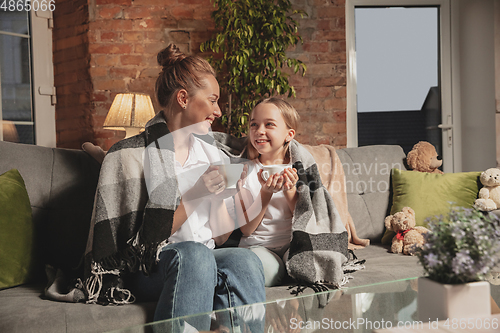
(151,216)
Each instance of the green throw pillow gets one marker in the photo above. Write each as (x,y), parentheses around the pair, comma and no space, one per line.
(430,194)
(16,230)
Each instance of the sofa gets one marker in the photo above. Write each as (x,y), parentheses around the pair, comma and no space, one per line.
(61,185)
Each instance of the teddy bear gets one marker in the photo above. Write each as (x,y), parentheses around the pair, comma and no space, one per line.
(424,158)
(489,195)
(408,236)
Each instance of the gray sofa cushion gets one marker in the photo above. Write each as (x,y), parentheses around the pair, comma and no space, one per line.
(367,171)
(23,310)
(61,185)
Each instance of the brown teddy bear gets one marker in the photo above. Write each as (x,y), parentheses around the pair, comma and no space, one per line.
(408,237)
(424,158)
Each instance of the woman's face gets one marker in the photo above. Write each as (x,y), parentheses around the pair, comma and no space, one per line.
(202,106)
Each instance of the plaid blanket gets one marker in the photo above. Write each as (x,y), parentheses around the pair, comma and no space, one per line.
(319,246)
(137,196)
(133,212)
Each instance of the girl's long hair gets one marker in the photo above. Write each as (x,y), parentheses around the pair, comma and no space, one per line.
(289,114)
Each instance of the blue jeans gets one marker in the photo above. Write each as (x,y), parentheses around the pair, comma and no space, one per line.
(192,279)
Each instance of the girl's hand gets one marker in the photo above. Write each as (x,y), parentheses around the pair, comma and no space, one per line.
(243,178)
(273,184)
(290,178)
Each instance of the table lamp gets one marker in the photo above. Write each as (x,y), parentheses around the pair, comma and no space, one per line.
(129,113)
(8,131)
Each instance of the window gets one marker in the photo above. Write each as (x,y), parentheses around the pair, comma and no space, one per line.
(397,57)
(399,74)
(27,96)
(398,89)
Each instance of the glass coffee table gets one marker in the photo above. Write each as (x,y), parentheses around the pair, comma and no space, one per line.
(356,309)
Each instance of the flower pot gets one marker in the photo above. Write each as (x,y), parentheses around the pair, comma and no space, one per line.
(442,301)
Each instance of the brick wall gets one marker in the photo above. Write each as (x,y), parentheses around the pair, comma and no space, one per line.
(321,93)
(71,73)
(124,36)
(124,39)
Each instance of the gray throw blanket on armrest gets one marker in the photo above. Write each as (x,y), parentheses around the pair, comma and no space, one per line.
(318,250)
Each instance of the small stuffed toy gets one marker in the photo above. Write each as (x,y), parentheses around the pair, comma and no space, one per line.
(489,195)
(408,237)
(424,158)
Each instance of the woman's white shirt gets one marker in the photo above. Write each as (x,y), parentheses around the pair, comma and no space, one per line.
(196,228)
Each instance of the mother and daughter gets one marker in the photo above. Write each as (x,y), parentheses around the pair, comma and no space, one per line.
(154,233)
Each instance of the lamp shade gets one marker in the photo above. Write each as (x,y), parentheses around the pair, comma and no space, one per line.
(129,112)
(9,131)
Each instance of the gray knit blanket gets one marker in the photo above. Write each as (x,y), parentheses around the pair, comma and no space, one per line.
(318,250)
(137,196)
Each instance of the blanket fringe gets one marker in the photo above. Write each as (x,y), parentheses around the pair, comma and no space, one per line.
(351,267)
(300,286)
(149,255)
(353,264)
(94,286)
(159,248)
(104,284)
(129,297)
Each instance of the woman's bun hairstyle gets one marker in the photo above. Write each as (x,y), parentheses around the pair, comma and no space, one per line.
(179,71)
(169,56)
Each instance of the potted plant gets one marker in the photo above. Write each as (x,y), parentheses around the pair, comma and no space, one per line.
(251,40)
(459,251)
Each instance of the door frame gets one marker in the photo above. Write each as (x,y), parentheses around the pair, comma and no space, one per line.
(44,93)
(450,114)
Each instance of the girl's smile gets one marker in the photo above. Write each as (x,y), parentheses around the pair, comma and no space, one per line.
(269,133)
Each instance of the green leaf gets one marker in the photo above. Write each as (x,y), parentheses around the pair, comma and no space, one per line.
(251,38)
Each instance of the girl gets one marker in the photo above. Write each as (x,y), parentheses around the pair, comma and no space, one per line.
(268,205)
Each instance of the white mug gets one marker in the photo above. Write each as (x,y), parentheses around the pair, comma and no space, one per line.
(269,170)
(231,173)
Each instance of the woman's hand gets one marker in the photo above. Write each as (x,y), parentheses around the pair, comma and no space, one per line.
(213,180)
(273,184)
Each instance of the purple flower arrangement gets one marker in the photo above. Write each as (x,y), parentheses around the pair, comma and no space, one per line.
(461,247)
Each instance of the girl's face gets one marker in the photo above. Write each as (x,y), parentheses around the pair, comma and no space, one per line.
(269,132)
(202,107)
